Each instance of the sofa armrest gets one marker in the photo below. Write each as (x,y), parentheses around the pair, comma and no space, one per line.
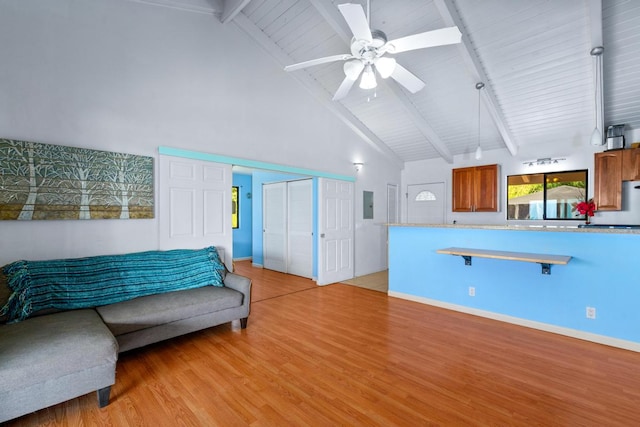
(240,284)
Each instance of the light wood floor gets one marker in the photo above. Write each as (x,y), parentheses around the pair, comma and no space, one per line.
(342,355)
(376,281)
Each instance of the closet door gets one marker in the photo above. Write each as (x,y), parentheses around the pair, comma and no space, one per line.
(300,228)
(274,223)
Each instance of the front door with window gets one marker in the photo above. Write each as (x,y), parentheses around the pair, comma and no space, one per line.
(425,203)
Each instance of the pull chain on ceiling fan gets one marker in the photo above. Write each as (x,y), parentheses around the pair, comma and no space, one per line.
(368,48)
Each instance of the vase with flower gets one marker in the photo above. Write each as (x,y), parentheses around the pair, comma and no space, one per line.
(586,208)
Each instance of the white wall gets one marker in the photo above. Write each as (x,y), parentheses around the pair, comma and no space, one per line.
(577,155)
(371,234)
(124,76)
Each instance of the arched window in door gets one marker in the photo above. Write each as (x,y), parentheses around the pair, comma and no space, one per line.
(425,196)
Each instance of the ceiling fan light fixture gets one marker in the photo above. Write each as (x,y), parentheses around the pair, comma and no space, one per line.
(379,38)
(368,80)
(353,68)
(385,66)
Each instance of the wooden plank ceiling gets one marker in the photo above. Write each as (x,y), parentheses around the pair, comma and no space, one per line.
(532,55)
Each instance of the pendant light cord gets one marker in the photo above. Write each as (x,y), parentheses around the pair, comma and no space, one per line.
(597,87)
(479,86)
(597,52)
(479,89)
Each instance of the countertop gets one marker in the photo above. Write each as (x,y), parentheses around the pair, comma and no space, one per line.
(554,228)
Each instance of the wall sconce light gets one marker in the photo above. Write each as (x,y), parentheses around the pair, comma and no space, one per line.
(544,161)
(358,166)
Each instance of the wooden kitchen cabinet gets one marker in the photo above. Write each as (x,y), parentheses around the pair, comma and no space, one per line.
(608,180)
(475,189)
(631,165)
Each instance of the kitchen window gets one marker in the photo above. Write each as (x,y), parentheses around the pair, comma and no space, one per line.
(546,196)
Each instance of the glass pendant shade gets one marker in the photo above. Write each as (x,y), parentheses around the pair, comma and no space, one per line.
(353,68)
(385,66)
(478,153)
(596,137)
(368,80)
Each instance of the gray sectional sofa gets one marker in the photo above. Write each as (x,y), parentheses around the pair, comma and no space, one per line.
(54,354)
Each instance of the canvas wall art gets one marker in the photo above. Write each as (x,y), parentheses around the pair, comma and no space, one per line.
(44,181)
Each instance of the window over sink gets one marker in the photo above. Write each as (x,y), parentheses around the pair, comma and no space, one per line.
(546,196)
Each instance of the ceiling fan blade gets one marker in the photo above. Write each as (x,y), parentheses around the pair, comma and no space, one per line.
(443,36)
(407,79)
(318,61)
(357,21)
(344,89)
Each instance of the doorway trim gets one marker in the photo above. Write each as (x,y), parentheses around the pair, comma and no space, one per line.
(236,161)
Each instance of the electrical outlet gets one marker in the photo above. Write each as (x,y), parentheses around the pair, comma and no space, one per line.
(591,312)
(472,291)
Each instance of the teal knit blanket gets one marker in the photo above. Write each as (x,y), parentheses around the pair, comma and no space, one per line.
(67,284)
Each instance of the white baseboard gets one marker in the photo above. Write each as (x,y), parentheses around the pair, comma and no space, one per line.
(246,258)
(253,264)
(587,336)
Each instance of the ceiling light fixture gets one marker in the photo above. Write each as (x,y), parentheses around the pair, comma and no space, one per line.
(352,69)
(385,66)
(544,161)
(596,135)
(358,166)
(368,80)
(478,156)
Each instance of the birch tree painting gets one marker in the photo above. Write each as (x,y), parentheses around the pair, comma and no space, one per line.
(43,181)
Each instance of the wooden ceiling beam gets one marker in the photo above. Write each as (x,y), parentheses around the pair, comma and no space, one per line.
(231,8)
(451,17)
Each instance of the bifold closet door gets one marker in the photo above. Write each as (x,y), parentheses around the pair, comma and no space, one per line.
(288,227)
(300,228)
(274,226)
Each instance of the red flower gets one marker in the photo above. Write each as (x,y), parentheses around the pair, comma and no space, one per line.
(587,208)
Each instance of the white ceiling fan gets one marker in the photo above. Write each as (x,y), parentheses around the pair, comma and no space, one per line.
(368,48)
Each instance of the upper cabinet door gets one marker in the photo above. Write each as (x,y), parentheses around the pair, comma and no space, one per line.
(463,189)
(475,189)
(486,188)
(608,180)
(631,165)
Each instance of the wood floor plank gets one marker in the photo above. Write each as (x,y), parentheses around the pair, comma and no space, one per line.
(342,355)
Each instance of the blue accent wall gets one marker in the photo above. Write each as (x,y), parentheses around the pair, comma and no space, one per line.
(242,236)
(603,273)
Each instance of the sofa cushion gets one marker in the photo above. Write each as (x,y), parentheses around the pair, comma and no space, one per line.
(153,310)
(52,346)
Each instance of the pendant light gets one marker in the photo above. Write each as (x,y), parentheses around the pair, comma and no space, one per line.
(596,135)
(479,86)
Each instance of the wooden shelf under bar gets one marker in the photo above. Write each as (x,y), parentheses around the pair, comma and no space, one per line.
(544,260)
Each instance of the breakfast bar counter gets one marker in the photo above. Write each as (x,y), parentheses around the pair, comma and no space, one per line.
(592,292)
(593,228)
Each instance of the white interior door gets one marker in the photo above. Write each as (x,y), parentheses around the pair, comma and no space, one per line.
(194,205)
(392,204)
(274,223)
(335,223)
(300,228)
(425,203)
